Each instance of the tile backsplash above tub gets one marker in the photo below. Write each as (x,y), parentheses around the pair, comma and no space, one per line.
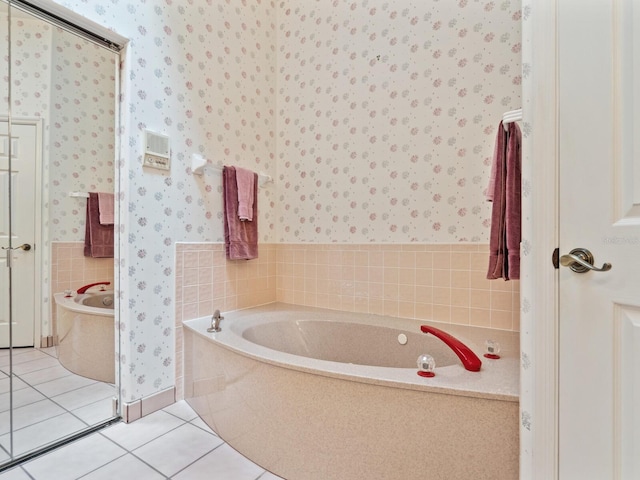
(439,282)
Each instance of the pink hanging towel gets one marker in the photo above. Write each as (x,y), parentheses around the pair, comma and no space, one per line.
(106,203)
(505,192)
(240,238)
(245,180)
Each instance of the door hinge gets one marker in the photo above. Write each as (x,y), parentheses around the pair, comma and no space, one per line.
(555,258)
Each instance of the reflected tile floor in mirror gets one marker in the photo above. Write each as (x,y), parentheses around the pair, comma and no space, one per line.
(49,401)
(171,443)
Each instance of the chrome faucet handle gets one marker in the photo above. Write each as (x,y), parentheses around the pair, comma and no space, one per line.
(215,322)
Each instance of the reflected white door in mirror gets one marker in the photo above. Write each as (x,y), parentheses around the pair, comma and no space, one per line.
(25,152)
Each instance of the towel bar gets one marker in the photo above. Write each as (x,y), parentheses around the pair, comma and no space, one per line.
(198,164)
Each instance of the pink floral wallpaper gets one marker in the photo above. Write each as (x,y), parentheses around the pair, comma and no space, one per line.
(376,119)
(387,114)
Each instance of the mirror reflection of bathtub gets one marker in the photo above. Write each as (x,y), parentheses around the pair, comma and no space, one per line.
(86,334)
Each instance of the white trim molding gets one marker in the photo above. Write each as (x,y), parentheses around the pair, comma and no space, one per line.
(539,309)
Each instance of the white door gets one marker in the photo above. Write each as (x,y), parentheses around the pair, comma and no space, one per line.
(24,150)
(599,203)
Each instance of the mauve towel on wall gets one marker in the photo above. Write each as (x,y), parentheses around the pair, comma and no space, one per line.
(240,238)
(98,238)
(504,243)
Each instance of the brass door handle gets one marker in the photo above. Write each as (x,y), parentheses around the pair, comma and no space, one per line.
(580,260)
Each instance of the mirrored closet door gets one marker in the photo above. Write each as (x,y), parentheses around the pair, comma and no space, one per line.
(5,234)
(58,124)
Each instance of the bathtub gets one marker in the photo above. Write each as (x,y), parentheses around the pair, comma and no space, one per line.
(86,334)
(317,394)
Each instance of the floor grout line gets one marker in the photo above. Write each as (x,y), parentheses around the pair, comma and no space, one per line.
(179,417)
(35,387)
(69,374)
(204,430)
(102,466)
(198,459)
(5,451)
(36,423)
(27,473)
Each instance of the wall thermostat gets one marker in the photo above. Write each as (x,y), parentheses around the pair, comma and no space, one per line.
(157,153)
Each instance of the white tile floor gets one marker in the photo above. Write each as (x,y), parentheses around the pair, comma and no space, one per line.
(171,443)
(49,402)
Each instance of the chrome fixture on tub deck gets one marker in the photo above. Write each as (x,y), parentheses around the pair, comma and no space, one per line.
(215,322)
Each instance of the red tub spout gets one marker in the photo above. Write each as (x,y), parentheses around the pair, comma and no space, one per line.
(469,359)
(82,290)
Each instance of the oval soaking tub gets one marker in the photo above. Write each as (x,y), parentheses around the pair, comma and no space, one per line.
(86,335)
(318,394)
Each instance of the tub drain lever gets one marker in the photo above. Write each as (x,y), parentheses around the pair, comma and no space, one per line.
(215,322)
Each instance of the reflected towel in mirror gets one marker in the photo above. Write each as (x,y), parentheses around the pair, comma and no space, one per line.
(98,239)
(105,206)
